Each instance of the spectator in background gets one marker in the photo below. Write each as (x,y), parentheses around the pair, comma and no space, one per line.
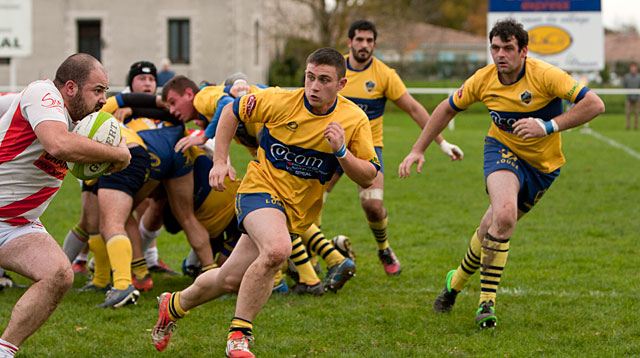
(632,80)
(165,74)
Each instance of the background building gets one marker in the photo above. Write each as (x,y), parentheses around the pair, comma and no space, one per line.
(204,39)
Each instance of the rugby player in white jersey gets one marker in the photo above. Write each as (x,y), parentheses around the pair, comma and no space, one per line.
(35,144)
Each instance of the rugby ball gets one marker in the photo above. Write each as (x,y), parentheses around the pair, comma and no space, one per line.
(101,127)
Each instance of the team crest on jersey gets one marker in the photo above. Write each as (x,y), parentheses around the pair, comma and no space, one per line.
(526,97)
(369,86)
(251,104)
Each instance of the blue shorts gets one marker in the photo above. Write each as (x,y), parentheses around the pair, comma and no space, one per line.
(131,179)
(248,202)
(533,183)
(165,162)
(378,150)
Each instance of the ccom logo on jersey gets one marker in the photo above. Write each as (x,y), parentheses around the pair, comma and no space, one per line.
(282,152)
(506,124)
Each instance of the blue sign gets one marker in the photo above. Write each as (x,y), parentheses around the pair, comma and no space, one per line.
(543,5)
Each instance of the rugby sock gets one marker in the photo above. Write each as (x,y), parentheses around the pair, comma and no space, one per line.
(74,242)
(82,257)
(120,255)
(7,349)
(379,229)
(494,257)
(151,256)
(469,265)
(148,236)
(301,260)
(139,268)
(242,325)
(278,278)
(317,244)
(192,259)
(102,271)
(175,310)
(209,267)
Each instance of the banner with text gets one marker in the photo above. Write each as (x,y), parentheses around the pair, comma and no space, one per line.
(565,33)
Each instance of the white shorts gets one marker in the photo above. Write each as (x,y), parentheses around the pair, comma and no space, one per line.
(9,232)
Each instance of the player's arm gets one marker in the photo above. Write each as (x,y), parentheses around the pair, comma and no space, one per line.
(359,170)
(72,147)
(227,126)
(589,107)
(419,114)
(442,115)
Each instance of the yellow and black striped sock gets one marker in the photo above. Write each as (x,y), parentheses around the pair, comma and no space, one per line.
(379,229)
(242,325)
(102,271)
(175,310)
(469,265)
(317,244)
(120,255)
(301,260)
(209,267)
(494,257)
(139,268)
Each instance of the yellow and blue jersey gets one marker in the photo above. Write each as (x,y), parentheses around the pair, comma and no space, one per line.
(214,210)
(210,101)
(159,138)
(537,93)
(294,161)
(131,136)
(369,88)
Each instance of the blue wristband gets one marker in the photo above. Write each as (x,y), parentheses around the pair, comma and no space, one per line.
(342,152)
(548,127)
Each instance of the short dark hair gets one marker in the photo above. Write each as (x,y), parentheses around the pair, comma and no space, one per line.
(507,28)
(179,84)
(363,25)
(76,68)
(330,57)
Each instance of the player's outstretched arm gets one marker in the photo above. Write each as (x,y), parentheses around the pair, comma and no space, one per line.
(587,109)
(420,115)
(438,121)
(72,147)
(358,170)
(227,126)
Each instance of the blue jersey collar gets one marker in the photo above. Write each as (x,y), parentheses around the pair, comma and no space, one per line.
(365,67)
(308,106)
(520,75)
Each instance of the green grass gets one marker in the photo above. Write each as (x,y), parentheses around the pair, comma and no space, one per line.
(569,289)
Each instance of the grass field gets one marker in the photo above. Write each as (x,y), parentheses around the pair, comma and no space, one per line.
(570,287)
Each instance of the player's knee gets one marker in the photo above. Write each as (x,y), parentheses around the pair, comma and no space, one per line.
(505,219)
(276,256)
(60,277)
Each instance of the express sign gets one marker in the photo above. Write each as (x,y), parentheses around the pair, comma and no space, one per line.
(565,33)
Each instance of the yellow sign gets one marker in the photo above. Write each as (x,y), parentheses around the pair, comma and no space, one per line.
(548,40)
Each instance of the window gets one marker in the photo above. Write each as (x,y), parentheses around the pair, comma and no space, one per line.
(179,41)
(5,60)
(89,37)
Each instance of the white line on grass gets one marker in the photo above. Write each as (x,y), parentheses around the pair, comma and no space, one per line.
(611,142)
(519,291)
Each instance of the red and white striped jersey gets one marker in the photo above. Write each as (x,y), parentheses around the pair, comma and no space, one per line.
(29,176)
